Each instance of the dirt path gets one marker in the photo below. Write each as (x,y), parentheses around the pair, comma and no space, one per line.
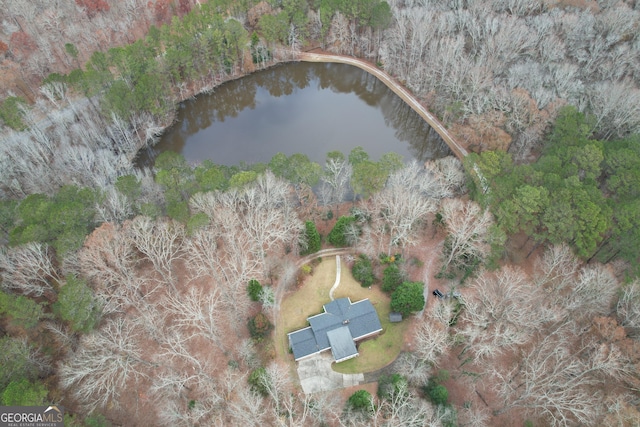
(324,253)
(398,89)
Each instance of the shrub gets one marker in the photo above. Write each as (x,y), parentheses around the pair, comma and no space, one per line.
(259,326)
(24,393)
(457,309)
(435,391)
(312,237)
(362,271)
(22,311)
(438,394)
(337,235)
(361,400)
(408,298)
(392,277)
(11,114)
(390,385)
(257,381)
(77,305)
(196,222)
(254,289)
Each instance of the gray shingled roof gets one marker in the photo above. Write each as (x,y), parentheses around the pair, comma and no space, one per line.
(342,345)
(303,343)
(358,319)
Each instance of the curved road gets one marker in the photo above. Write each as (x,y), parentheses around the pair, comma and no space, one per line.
(398,89)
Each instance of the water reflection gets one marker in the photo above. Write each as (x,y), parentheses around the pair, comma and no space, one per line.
(299,108)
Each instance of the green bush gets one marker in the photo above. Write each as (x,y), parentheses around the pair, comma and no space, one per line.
(24,393)
(438,394)
(362,271)
(337,235)
(312,238)
(254,288)
(77,305)
(63,220)
(457,309)
(11,114)
(259,326)
(94,420)
(257,380)
(392,277)
(408,298)
(390,385)
(435,391)
(196,222)
(361,400)
(22,311)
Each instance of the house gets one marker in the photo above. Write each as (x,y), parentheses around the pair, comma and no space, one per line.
(342,324)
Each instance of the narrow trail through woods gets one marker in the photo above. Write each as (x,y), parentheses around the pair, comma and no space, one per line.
(398,89)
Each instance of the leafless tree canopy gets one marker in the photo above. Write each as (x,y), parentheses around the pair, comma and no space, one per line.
(547,327)
(628,307)
(28,269)
(98,371)
(468,228)
(518,58)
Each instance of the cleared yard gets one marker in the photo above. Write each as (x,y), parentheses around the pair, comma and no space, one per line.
(314,293)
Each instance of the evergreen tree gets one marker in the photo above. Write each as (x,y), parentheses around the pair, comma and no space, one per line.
(312,238)
(77,305)
(337,235)
(408,298)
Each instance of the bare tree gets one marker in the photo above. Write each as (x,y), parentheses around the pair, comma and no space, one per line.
(432,335)
(276,381)
(335,181)
(269,218)
(592,292)
(552,381)
(493,314)
(402,408)
(28,269)
(413,368)
(160,241)
(616,107)
(402,205)
(108,260)
(98,371)
(468,230)
(226,257)
(628,307)
(248,409)
(198,310)
(115,207)
(449,174)
(555,270)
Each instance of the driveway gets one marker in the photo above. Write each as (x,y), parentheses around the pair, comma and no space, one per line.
(316,375)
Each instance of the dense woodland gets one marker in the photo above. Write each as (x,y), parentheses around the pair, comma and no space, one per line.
(133,295)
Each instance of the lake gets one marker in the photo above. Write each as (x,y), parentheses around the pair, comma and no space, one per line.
(308,108)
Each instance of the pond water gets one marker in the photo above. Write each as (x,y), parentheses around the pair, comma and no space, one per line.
(308,108)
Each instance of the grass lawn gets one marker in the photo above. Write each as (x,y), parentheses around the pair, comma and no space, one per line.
(309,299)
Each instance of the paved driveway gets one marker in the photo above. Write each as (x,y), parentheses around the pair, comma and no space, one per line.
(316,375)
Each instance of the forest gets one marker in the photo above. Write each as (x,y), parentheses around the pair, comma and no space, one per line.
(149,295)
